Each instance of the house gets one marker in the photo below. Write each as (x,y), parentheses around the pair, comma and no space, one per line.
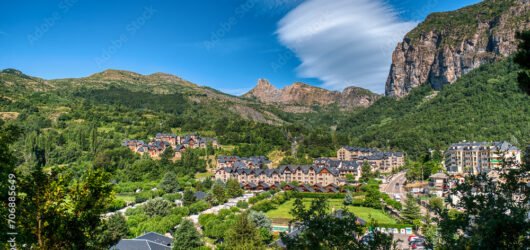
(156,147)
(438,184)
(148,241)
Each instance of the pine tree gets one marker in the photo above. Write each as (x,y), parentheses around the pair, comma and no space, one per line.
(411,211)
(189,197)
(348,199)
(186,236)
(218,192)
(243,235)
(169,183)
(233,189)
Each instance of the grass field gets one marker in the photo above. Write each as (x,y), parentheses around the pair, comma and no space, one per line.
(281,214)
(203,175)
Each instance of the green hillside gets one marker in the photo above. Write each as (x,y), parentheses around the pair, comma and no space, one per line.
(484,105)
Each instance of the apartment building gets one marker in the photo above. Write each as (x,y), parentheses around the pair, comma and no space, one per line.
(310,174)
(477,157)
(384,162)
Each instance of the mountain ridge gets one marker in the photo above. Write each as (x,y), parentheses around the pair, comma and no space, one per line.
(303,94)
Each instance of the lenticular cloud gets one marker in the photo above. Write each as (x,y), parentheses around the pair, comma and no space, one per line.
(344,42)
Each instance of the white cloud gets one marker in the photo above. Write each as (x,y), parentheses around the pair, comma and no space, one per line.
(344,42)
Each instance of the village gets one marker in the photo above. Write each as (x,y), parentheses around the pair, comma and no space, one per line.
(329,174)
(339,176)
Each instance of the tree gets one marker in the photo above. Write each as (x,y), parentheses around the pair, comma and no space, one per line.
(233,189)
(436,203)
(366,171)
(8,134)
(186,236)
(411,211)
(189,197)
(218,193)
(111,231)
(157,207)
(260,219)
(243,234)
(522,57)
(348,199)
(60,212)
(169,183)
(322,230)
(494,214)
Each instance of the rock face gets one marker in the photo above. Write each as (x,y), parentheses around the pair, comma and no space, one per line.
(448,45)
(305,95)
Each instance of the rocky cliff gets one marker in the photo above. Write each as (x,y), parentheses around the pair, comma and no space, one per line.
(448,45)
(305,95)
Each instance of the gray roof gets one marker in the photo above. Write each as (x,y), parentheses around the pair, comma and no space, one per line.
(498,145)
(148,241)
(156,237)
(199,195)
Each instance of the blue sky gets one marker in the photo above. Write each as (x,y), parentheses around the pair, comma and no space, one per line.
(226,44)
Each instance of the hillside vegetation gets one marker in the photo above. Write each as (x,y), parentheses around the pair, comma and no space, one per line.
(486,104)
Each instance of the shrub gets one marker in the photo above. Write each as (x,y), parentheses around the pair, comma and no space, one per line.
(242,204)
(116,205)
(198,206)
(172,197)
(157,207)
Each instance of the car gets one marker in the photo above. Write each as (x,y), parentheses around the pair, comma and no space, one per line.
(397,197)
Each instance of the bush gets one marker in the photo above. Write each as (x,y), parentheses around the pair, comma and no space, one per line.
(242,204)
(172,197)
(323,195)
(264,206)
(157,207)
(116,205)
(143,196)
(198,206)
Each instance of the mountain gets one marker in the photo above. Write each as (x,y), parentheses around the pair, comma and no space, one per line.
(301,94)
(450,44)
(484,105)
(101,86)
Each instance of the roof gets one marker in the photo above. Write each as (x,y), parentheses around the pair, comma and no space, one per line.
(439,176)
(498,145)
(199,195)
(156,237)
(148,241)
(136,244)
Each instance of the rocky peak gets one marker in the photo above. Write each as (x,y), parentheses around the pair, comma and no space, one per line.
(303,94)
(447,45)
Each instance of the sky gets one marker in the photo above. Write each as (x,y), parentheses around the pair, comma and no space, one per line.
(225,44)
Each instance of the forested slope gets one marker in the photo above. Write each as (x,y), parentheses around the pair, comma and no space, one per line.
(485,104)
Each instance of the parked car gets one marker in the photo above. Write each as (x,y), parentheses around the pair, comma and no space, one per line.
(397,197)
(418,242)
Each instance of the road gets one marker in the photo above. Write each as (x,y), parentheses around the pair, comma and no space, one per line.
(391,188)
